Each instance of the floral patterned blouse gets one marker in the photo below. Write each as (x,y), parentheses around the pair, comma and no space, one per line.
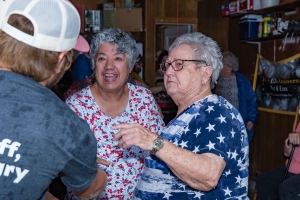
(127,164)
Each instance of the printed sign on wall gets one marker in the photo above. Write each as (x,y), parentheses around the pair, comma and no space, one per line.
(277,84)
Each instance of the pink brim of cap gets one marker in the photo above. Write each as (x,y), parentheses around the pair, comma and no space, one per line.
(82,45)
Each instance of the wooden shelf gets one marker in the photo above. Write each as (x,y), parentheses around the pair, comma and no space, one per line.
(281,7)
(273,37)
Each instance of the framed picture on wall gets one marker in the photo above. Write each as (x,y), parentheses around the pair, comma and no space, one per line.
(169,39)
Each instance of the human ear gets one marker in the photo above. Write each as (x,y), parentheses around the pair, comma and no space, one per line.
(207,73)
(60,62)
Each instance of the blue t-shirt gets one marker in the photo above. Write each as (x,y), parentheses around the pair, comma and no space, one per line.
(41,138)
(211,125)
(81,68)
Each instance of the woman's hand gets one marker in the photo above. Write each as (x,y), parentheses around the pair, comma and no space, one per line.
(294,138)
(134,134)
(103,162)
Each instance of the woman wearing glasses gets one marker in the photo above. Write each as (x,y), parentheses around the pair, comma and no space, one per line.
(203,151)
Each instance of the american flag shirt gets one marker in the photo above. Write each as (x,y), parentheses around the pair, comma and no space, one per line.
(127,164)
(210,125)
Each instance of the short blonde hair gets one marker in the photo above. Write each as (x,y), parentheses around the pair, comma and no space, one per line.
(27,60)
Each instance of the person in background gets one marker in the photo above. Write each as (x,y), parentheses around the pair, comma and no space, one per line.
(166,103)
(236,88)
(270,184)
(41,137)
(134,75)
(112,100)
(203,152)
(81,67)
(137,68)
(161,58)
(78,85)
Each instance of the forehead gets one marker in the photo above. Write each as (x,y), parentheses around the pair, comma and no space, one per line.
(181,52)
(107,47)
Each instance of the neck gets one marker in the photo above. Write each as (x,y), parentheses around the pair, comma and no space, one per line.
(5,69)
(190,99)
(115,96)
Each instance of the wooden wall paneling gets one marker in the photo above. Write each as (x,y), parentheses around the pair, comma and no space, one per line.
(287,50)
(188,9)
(150,52)
(170,8)
(165,9)
(211,23)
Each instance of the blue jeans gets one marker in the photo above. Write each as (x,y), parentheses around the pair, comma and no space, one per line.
(269,185)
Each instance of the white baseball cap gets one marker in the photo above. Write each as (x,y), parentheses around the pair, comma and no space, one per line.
(56,24)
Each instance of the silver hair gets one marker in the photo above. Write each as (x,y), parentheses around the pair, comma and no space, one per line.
(231,60)
(124,42)
(203,48)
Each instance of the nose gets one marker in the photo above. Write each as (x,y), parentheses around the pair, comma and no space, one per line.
(169,70)
(110,64)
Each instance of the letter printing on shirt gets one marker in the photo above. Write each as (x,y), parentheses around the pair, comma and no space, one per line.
(39,139)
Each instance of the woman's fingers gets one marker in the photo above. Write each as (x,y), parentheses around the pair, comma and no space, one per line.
(103,162)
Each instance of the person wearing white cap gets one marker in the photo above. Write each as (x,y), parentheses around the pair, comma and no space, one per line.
(41,138)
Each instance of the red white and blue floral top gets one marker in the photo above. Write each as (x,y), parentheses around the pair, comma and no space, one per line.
(127,164)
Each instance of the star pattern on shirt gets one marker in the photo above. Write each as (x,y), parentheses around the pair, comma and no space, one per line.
(221,138)
(239,162)
(227,191)
(234,155)
(196,150)
(227,173)
(183,144)
(210,108)
(198,194)
(182,186)
(186,129)
(175,142)
(232,133)
(210,127)
(228,153)
(238,179)
(211,145)
(222,119)
(232,115)
(167,195)
(198,132)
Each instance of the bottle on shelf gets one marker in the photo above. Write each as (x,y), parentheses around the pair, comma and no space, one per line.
(268,28)
(260,30)
(279,20)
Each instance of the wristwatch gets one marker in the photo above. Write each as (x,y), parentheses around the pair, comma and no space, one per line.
(158,143)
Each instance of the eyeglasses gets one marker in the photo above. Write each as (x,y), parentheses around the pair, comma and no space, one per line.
(177,65)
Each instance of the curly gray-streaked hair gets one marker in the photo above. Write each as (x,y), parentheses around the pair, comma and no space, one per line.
(203,48)
(124,42)
(231,60)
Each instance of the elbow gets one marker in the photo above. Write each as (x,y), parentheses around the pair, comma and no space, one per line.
(211,184)
(205,185)
(96,188)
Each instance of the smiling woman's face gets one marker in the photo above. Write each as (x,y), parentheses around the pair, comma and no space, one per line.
(111,69)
